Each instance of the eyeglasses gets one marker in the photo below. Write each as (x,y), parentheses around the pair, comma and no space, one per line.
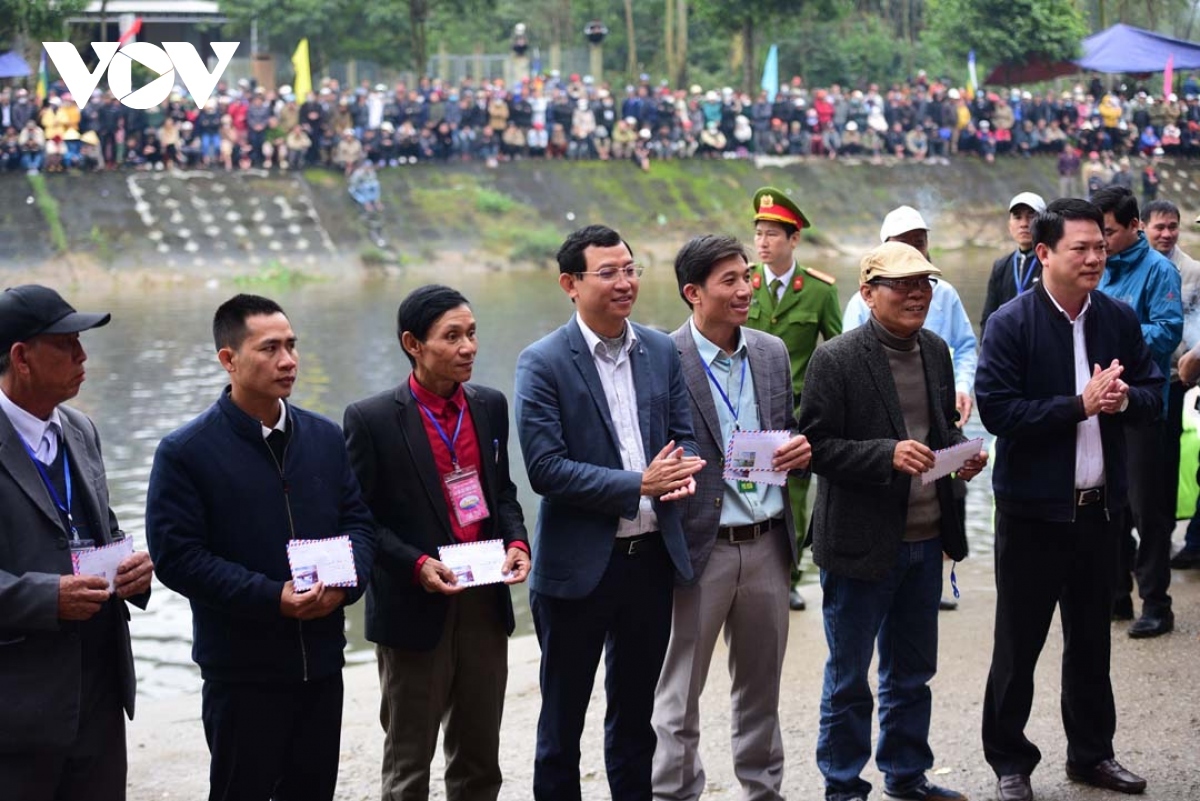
(923,284)
(609,275)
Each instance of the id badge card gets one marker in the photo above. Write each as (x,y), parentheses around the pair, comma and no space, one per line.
(466,496)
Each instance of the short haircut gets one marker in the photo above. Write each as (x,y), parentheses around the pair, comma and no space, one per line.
(229,323)
(695,260)
(1164,207)
(1118,200)
(5,362)
(788,228)
(571,258)
(1048,226)
(422,308)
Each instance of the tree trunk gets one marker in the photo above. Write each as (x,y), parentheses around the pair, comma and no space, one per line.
(668,38)
(631,33)
(418,15)
(748,62)
(681,44)
(104,20)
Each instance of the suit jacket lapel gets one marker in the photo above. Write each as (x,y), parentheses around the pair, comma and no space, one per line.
(760,373)
(77,449)
(585,362)
(938,425)
(791,296)
(412,427)
(697,382)
(881,374)
(487,451)
(15,459)
(643,384)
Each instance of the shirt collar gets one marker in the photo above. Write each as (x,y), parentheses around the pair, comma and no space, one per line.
(785,280)
(1087,304)
(709,352)
(595,345)
(434,402)
(31,428)
(280,424)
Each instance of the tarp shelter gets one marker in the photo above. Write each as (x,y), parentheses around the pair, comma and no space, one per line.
(12,65)
(1121,48)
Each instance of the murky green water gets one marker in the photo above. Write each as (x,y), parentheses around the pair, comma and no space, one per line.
(154,368)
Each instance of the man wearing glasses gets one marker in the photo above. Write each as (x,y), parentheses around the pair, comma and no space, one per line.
(878,402)
(606,432)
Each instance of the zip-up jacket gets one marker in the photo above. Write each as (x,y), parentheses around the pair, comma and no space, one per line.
(1145,279)
(1025,392)
(219,513)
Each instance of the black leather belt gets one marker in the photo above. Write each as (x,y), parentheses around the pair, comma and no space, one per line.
(1090,496)
(749,533)
(632,546)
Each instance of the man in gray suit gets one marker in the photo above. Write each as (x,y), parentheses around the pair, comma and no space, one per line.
(66,668)
(740,534)
(878,402)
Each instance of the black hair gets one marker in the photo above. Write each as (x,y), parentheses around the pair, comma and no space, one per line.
(229,323)
(5,362)
(570,256)
(788,228)
(1163,207)
(422,308)
(1118,200)
(1048,226)
(695,260)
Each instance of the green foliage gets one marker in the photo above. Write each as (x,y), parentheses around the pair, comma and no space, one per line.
(857,51)
(1007,30)
(276,274)
(48,206)
(37,20)
(536,246)
(490,201)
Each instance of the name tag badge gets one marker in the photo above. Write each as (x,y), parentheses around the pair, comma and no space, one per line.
(746,486)
(466,496)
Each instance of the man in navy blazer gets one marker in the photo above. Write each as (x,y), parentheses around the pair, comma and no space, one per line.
(606,431)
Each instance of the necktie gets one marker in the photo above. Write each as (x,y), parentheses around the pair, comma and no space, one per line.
(774,288)
(1021,268)
(277,442)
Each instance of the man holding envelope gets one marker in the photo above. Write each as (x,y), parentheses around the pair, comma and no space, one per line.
(432,457)
(66,669)
(233,496)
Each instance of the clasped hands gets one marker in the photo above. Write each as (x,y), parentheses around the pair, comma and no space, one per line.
(1105,391)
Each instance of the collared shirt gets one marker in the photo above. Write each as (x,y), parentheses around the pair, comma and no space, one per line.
(466,447)
(738,507)
(785,280)
(947,319)
(1089,449)
(616,376)
(42,436)
(280,424)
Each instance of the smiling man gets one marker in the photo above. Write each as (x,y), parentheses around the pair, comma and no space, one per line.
(740,533)
(442,649)
(879,401)
(1062,373)
(228,491)
(606,432)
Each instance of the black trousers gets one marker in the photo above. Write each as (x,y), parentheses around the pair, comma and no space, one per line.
(1040,566)
(277,741)
(628,616)
(1152,493)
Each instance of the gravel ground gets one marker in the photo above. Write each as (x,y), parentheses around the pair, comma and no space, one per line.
(1157,686)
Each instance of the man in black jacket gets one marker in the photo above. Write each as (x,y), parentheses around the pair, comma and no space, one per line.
(1064,368)
(1019,270)
(442,648)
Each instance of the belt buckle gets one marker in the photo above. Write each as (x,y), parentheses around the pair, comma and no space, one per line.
(1088,496)
(631,547)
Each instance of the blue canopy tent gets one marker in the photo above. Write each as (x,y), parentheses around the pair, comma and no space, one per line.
(1121,48)
(13,66)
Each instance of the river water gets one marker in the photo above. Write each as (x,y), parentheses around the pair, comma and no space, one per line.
(154,368)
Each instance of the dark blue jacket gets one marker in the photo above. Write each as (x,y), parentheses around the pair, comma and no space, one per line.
(1025,390)
(219,515)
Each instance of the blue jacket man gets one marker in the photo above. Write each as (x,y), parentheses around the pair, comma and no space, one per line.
(1145,279)
(228,491)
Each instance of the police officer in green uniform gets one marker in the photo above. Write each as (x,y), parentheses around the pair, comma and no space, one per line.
(795,304)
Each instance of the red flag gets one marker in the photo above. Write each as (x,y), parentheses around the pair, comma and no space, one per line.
(1169,76)
(136,27)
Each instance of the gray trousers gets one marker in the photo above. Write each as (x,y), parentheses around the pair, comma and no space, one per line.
(744,590)
(459,685)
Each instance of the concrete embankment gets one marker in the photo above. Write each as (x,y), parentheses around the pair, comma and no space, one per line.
(1156,683)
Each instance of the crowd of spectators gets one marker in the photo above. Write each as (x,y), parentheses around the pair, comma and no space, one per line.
(576,118)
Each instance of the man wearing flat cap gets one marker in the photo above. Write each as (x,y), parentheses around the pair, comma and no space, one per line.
(66,668)
(878,401)
(796,304)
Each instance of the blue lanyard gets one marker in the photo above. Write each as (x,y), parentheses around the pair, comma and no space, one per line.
(442,432)
(54,496)
(741,385)
(1022,282)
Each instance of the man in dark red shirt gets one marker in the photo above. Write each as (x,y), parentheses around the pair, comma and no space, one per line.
(432,457)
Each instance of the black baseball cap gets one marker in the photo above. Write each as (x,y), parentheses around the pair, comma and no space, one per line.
(29,310)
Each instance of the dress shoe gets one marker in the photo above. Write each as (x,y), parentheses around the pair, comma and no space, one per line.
(1122,608)
(1186,559)
(796,601)
(1152,625)
(947,604)
(1014,787)
(1108,775)
(925,791)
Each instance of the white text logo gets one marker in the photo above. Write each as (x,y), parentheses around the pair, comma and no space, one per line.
(171,60)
